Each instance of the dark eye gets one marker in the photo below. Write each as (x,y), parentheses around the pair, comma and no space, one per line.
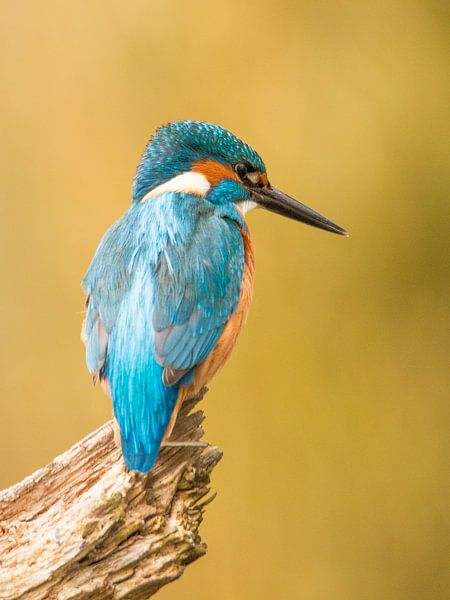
(241,170)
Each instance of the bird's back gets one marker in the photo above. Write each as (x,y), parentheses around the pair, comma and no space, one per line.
(161,287)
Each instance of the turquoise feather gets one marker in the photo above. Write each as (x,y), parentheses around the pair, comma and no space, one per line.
(163,283)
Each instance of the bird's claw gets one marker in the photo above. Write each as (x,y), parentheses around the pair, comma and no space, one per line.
(181,444)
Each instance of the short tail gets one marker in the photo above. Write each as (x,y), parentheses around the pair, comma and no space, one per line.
(143,407)
(143,404)
(140,460)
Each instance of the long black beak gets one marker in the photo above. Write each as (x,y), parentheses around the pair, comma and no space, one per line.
(278,202)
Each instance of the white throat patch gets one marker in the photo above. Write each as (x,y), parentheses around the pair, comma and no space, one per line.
(246,205)
(189,182)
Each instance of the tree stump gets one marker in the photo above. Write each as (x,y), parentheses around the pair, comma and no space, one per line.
(86,527)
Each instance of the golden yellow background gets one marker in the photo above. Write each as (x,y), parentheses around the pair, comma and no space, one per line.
(332,411)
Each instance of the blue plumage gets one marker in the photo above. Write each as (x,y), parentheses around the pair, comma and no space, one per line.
(176,146)
(163,283)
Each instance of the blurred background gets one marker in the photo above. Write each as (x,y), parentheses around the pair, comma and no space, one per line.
(333,410)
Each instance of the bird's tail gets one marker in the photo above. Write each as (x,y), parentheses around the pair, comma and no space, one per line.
(143,406)
(139,460)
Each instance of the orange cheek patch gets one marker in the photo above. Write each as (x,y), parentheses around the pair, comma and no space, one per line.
(214,171)
(264,179)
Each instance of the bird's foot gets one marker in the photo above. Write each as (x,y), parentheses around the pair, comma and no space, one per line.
(181,444)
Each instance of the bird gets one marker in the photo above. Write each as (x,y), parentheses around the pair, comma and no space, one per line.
(171,282)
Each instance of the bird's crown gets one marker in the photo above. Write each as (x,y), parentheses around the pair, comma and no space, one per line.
(177,146)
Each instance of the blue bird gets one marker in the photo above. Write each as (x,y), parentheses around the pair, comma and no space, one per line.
(171,282)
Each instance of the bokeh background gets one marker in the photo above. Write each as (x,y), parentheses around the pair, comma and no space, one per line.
(332,411)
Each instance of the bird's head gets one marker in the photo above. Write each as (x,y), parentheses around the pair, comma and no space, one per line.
(207,160)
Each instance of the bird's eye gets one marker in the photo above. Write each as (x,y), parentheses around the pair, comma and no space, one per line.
(241,170)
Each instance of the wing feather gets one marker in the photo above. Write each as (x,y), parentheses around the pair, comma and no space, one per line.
(161,287)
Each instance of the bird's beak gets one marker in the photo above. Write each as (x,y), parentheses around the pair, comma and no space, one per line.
(278,202)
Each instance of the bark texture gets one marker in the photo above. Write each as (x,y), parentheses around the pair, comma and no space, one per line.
(85,527)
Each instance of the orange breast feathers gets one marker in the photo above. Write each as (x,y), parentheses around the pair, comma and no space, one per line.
(225,344)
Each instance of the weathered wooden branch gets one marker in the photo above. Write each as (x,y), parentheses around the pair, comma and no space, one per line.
(85,527)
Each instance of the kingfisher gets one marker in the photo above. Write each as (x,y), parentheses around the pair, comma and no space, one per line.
(171,282)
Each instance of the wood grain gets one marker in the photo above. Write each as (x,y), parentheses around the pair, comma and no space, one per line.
(86,527)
